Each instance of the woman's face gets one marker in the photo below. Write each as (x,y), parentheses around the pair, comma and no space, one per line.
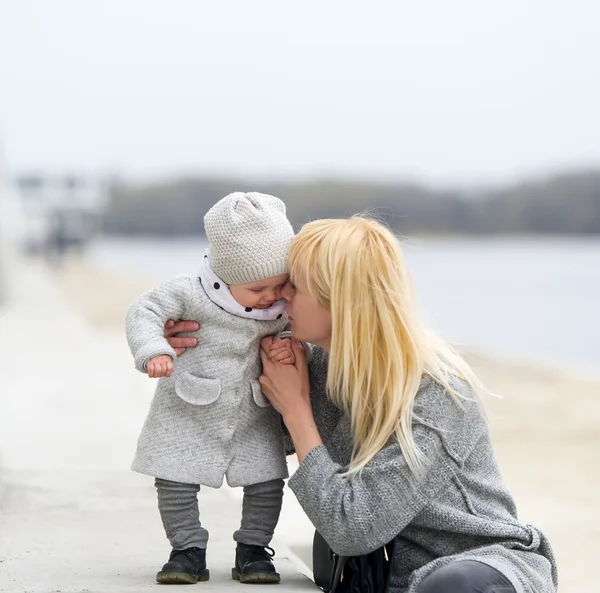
(310,321)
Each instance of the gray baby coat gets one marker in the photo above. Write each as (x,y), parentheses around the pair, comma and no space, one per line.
(210,418)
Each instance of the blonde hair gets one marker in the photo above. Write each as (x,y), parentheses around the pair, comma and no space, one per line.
(380,348)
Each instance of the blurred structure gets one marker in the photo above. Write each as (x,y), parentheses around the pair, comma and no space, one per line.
(60,212)
(11,225)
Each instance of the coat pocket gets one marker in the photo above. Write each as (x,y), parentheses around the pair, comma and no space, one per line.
(198,391)
(259,399)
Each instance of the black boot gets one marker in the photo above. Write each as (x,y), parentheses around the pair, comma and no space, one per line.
(185,567)
(253,565)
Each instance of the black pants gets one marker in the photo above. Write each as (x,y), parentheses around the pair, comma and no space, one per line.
(466,576)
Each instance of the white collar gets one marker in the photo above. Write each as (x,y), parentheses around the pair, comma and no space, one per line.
(218,292)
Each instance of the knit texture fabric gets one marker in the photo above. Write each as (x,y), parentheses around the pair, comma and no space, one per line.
(178,507)
(459,509)
(210,419)
(249,237)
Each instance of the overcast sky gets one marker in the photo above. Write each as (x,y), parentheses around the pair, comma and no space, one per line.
(445,92)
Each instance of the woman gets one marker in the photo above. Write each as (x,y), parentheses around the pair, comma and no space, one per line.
(387,425)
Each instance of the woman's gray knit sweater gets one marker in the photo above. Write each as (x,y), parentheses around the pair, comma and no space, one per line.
(459,509)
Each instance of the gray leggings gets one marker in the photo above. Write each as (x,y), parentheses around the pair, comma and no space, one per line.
(178,506)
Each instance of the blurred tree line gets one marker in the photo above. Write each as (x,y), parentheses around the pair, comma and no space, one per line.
(565,203)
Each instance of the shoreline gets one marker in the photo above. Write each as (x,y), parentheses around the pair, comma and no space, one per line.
(107,309)
(515,290)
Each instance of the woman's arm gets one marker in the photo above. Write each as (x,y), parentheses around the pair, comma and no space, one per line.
(360,513)
(288,389)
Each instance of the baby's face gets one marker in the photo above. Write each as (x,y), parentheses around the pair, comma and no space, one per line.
(260,294)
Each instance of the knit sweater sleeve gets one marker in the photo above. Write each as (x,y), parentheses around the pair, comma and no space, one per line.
(317,370)
(360,513)
(147,316)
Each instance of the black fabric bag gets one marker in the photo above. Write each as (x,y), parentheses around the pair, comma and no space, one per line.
(351,574)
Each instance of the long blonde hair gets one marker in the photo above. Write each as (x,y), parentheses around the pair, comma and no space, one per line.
(380,348)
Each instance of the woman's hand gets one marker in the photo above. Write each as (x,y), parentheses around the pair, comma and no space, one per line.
(287,387)
(178,343)
(281,351)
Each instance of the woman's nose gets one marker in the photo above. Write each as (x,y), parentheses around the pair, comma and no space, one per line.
(286,292)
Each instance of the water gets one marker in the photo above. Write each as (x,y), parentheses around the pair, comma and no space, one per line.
(533,299)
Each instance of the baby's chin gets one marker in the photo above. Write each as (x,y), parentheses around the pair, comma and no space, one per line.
(262,306)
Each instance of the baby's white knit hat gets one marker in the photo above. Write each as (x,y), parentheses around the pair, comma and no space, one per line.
(249,237)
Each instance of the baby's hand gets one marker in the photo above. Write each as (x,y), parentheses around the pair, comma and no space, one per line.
(281,351)
(160,366)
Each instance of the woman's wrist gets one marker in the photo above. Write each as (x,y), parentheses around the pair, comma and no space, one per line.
(298,412)
(303,429)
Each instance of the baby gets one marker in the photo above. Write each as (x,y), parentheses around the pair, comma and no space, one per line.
(209,418)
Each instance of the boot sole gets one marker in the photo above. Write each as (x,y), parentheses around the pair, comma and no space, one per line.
(263,578)
(182,578)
